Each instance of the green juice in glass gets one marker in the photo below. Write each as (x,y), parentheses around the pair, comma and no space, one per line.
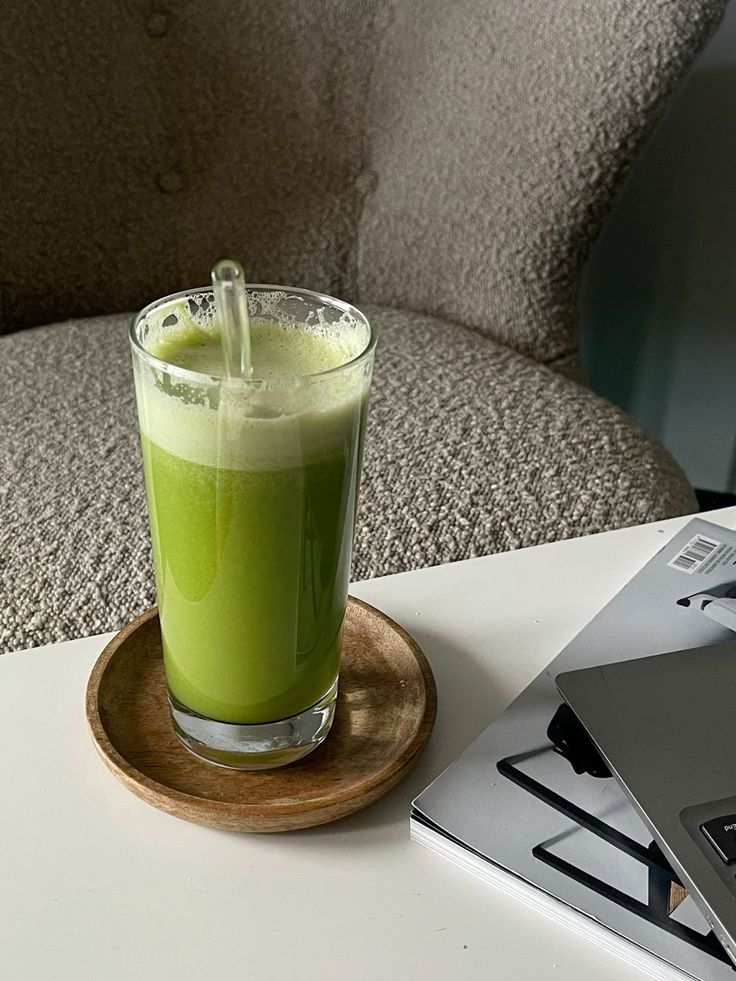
(252,503)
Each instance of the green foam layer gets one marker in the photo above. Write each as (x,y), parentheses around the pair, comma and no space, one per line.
(277,351)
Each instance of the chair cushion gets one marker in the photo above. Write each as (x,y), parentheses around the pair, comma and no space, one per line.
(471,448)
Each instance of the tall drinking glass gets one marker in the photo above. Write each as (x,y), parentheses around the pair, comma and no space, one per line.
(252,490)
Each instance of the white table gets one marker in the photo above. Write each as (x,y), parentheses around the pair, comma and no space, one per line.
(95,884)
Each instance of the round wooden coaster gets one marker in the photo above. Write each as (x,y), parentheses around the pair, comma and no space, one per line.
(385,712)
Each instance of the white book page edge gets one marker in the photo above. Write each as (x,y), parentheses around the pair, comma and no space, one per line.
(554,909)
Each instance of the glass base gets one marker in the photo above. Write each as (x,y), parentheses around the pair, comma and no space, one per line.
(255,747)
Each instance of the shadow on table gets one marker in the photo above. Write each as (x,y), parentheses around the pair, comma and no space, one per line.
(467,698)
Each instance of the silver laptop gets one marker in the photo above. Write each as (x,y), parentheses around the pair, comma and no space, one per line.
(666,727)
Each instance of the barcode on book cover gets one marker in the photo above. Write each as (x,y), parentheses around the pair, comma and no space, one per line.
(693,555)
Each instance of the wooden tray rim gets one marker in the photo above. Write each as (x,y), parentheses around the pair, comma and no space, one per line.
(382,781)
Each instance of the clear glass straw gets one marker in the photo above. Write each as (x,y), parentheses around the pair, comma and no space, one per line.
(232,311)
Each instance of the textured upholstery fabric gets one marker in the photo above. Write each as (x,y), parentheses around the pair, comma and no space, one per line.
(454,158)
(449,156)
(498,133)
(471,448)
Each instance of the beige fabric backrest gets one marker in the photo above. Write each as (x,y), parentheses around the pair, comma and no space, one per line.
(452,156)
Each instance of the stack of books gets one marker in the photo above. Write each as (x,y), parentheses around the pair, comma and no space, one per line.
(531,808)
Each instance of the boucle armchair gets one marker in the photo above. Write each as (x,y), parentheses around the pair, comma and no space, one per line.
(444,164)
